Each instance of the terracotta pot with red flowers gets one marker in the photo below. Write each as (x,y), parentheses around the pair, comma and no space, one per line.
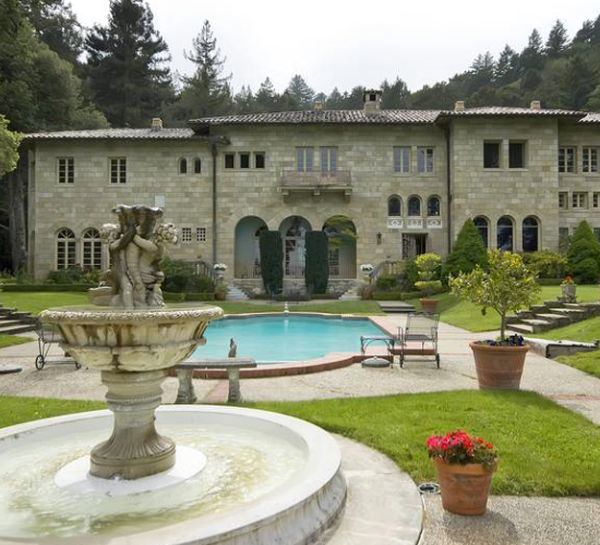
(465,465)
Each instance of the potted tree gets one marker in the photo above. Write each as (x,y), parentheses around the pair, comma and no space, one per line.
(428,266)
(465,465)
(507,286)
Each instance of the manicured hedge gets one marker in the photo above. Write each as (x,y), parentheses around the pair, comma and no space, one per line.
(192,296)
(46,287)
(271,261)
(317,261)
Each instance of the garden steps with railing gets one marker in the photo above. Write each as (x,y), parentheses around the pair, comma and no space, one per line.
(550,315)
(13,321)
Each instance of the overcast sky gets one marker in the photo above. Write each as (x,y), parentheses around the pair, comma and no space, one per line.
(345,43)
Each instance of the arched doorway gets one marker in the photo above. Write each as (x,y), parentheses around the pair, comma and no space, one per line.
(247,252)
(341,232)
(530,234)
(293,231)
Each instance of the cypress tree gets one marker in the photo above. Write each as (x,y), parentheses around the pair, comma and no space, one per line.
(316,273)
(468,251)
(271,261)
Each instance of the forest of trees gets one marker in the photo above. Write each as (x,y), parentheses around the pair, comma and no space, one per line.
(57,75)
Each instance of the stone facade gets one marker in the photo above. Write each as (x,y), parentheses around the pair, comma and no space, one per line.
(275,193)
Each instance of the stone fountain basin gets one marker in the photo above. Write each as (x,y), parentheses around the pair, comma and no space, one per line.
(294,513)
(111,339)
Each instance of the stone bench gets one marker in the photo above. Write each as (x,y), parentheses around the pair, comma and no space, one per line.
(185,369)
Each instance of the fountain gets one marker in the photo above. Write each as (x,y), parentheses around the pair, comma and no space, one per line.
(238,476)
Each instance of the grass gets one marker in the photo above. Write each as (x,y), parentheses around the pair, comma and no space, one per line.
(37,301)
(11,340)
(545,450)
(588,362)
(330,307)
(461,313)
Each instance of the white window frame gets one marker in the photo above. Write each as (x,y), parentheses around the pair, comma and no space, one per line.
(67,246)
(589,159)
(425,160)
(563,200)
(65,170)
(305,158)
(93,246)
(119,166)
(401,159)
(566,164)
(200,234)
(329,159)
(186,235)
(579,200)
(596,199)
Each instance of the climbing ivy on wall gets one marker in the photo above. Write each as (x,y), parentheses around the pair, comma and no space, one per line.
(316,273)
(271,261)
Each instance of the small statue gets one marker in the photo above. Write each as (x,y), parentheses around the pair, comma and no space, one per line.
(232,349)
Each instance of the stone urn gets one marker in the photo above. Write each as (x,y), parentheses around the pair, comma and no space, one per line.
(132,348)
(498,367)
(464,488)
(569,293)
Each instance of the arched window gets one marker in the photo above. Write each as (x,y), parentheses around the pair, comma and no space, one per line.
(92,249)
(197,166)
(414,206)
(433,206)
(182,166)
(394,206)
(483,227)
(530,234)
(504,234)
(65,249)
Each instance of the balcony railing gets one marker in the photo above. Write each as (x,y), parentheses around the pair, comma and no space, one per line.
(412,222)
(316,182)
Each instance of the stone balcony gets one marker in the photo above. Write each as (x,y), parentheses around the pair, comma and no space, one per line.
(316,182)
(414,222)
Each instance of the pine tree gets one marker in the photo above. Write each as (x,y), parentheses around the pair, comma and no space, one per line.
(207,92)
(266,97)
(584,255)
(127,69)
(394,95)
(467,252)
(579,81)
(301,92)
(506,69)
(531,57)
(335,101)
(557,40)
(9,145)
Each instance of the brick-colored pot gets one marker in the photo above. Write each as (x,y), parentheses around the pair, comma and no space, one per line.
(498,367)
(464,488)
(429,305)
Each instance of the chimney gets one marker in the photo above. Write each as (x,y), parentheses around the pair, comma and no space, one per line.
(535,105)
(156,124)
(459,106)
(318,106)
(372,101)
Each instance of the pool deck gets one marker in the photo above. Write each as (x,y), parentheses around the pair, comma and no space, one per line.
(509,520)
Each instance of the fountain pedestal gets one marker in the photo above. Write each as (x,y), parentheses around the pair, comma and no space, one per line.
(135,449)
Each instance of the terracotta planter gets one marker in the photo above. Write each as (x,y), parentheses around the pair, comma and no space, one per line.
(429,305)
(464,488)
(499,367)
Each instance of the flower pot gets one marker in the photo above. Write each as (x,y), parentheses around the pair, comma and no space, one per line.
(429,306)
(498,367)
(464,488)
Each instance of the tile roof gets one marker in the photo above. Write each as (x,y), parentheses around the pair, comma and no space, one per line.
(510,111)
(323,116)
(114,134)
(592,117)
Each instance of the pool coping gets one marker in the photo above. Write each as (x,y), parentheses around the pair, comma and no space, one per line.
(332,360)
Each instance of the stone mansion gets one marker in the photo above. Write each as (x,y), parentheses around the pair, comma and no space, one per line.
(404,180)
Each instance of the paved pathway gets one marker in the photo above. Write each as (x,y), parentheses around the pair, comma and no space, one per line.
(510,520)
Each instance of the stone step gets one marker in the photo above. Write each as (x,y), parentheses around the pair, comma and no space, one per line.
(538,308)
(5,311)
(520,328)
(15,329)
(574,314)
(558,318)
(398,307)
(554,304)
(8,322)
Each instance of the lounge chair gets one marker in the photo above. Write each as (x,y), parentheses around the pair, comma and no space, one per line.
(418,338)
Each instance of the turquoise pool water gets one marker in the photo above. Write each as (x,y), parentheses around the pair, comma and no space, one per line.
(271,339)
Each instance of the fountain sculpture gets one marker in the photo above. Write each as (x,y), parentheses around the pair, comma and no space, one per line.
(133,340)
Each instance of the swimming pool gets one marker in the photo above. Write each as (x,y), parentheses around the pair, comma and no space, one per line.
(275,339)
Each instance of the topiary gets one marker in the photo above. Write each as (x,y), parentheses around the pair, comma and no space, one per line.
(584,255)
(271,261)
(468,252)
(316,274)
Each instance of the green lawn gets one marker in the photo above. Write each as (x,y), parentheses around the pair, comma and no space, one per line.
(545,450)
(36,301)
(589,362)
(11,340)
(463,314)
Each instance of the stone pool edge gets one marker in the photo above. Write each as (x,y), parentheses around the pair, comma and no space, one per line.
(332,360)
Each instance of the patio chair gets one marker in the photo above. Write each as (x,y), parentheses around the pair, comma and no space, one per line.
(418,338)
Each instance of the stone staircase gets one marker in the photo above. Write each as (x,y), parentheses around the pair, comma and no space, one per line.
(235,294)
(13,321)
(550,315)
(351,294)
(396,307)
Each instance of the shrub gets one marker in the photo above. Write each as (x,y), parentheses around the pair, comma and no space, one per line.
(584,255)
(411,274)
(546,264)
(316,274)
(180,283)
(387,282)
(72,275)
(175,267)
(429,266)
(468,252)
(271,261)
